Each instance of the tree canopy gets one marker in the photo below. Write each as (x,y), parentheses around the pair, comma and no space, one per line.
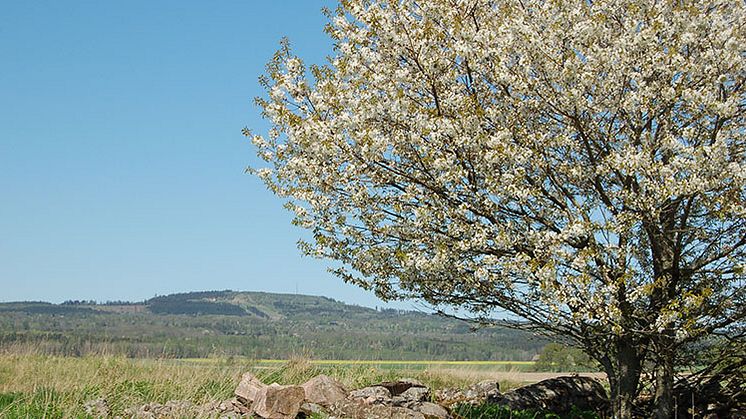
(579,164)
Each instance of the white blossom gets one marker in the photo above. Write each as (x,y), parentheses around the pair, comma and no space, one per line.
(581,164)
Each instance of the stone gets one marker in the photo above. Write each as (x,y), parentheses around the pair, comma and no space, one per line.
(475,394)
(450,396)
(558,395)
(278,402)
(98,408)
(324,390)
(400,386)
(229,406)
(417,394)
(248,388)
(172,408)
(432,410)
(309,409)
(356,410)
(372,395)
(487,387)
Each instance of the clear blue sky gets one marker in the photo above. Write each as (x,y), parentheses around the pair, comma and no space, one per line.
(121,150)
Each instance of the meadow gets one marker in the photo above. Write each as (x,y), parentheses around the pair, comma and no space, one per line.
(43,386)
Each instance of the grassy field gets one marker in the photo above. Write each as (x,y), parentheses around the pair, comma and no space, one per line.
(399,365)
(39,386)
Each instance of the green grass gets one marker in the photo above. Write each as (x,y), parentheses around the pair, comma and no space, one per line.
(42,403)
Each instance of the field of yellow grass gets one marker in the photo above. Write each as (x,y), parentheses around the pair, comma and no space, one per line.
(41,386)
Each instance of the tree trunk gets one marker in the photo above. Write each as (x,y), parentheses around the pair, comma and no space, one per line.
(624,377)
(664,377)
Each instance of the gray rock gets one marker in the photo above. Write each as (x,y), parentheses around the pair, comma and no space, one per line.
(349,409)
(171,409)
(417,394)
(324,391)
(312,408)
(432,410)
(372,395)
(97,408)
(557,395)
(476,394)
(278,402)
(487,387)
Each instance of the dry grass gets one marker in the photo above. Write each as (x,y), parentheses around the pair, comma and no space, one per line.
(67,383)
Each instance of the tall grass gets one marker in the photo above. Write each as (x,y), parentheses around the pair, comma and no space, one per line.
(64,384)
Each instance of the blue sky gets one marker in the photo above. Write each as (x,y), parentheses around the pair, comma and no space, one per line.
(121,150)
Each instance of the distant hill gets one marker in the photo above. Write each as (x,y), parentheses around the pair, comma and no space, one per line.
(259,304)
(253,324)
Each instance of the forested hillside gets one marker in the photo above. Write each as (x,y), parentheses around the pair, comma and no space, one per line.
(253,324)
